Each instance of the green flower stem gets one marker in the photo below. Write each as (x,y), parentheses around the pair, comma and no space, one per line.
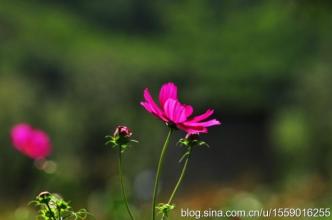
(156,183)
(50,210)
(184,169)
(122,186)
(59,213)
(178,183)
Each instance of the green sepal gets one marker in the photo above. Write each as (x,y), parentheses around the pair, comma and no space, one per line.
(52,206)
(164,209)
(118,141)
(192,143)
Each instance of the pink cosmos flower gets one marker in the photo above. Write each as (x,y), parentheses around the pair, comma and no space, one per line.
(31,142)
(174,113)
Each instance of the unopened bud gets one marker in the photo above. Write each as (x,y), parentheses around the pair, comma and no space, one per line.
(123,131)
(192,137)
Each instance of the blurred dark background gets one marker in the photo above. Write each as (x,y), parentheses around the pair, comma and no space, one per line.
(78,68)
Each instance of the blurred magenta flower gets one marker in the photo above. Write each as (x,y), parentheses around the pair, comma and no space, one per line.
(174,113)
(31,142)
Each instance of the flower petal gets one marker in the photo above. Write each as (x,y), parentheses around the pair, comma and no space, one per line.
(20,135)
(167,91)
(192,129)
(150,109)
(203,116)
(151,106)
(40,146)
(209,123)
(189,110)
(175,111)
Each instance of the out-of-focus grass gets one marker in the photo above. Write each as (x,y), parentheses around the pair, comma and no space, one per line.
(242,194)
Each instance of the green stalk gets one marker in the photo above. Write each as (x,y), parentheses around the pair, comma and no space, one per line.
(181,176)
(178,183)
(122,186)
(49,208)
(59,213)
(156,183)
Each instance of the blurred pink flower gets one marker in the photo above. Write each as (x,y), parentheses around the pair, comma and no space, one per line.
(174,113)
(31,142)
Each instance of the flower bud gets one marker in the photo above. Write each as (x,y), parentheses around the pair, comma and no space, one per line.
(192,137)
(44,194)
(121,138)
(44,197)
(123,131)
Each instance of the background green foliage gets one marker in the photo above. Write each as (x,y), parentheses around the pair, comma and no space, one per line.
(78,68)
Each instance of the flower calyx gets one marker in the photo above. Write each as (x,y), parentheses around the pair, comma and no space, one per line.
(164,209)
(121,138)
(192,140)
(52,206)
(53,201)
